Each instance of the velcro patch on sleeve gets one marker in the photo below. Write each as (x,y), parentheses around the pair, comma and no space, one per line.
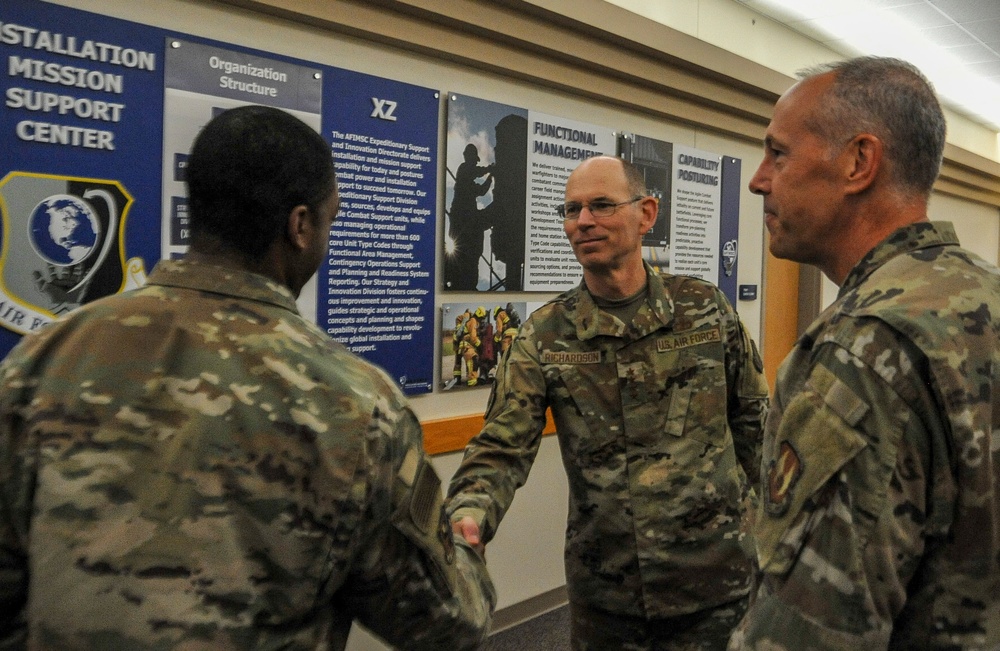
(845,403)
(425,507)
(408,469)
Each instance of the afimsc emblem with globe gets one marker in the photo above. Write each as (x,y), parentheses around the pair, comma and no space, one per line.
(64,230)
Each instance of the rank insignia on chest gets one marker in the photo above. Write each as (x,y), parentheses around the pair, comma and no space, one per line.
(783,473)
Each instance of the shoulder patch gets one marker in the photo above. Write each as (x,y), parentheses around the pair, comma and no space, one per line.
(782,475)
(425,506)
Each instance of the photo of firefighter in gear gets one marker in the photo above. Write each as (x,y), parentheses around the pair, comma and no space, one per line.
(472,348)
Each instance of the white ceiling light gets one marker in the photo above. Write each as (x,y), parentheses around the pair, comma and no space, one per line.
(852,28)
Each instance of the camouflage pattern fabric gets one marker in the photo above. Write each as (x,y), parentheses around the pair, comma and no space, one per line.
(659,423)
(704,630)
(880,512)
(192,465)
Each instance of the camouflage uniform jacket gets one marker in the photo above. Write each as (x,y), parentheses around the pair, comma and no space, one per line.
(192,465)
(659,423)
(880,511)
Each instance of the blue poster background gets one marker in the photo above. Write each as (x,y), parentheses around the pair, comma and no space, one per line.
(381,261)
(135,161)
(42,45)
(729,232)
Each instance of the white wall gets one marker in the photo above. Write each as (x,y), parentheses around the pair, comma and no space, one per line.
(975,223)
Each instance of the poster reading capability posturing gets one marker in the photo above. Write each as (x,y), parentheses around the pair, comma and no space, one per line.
(695,213)
(485,185)
(97,120)
(697,228)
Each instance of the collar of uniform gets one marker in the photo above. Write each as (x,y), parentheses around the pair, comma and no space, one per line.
(907,239)
(221,280)
(591,321)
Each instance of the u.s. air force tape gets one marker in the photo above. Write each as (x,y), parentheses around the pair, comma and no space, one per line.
(687,339)
(663,345)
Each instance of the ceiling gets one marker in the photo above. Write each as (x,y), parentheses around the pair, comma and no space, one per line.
(958,41)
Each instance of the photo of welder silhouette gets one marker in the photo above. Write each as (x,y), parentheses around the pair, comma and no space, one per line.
(507,212)
(485,190)
(467,221)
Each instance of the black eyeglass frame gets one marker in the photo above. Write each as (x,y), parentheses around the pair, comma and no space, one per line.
(604,208)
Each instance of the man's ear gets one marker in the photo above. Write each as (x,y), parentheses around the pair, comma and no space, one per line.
(864,163)
(650,207)
(300,227)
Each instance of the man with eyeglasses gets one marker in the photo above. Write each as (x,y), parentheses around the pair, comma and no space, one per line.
(658,397)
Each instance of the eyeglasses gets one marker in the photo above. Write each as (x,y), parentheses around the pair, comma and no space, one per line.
(569,211)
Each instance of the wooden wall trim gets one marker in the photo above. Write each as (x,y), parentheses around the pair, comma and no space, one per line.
(597,51)
(515,39)
(969,176)
(450,434)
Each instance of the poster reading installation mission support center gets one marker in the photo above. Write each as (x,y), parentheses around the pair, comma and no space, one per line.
(97,118)
(79,175)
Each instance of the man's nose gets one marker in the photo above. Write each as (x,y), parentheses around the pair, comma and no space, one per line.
(759,183)
(586,217)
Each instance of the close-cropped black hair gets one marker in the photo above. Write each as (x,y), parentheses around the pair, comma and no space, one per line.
(248,168)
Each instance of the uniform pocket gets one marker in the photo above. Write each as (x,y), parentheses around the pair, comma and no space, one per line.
(696,385)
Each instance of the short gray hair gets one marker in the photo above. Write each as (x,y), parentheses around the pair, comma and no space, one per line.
(635,178)
(892,100)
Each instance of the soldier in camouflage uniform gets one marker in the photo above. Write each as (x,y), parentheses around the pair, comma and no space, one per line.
(881,465)
(659,401)
(192,465)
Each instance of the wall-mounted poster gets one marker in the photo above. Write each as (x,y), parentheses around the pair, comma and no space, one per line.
(655,159)
(203,81)
(555,147)
(376,287)
(484,195)
(506,172)
(81,156)
(697,228)
(99,116)
(695,213)
(729,228)
(474,338)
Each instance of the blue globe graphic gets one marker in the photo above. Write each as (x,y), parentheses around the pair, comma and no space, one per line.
(63,230)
